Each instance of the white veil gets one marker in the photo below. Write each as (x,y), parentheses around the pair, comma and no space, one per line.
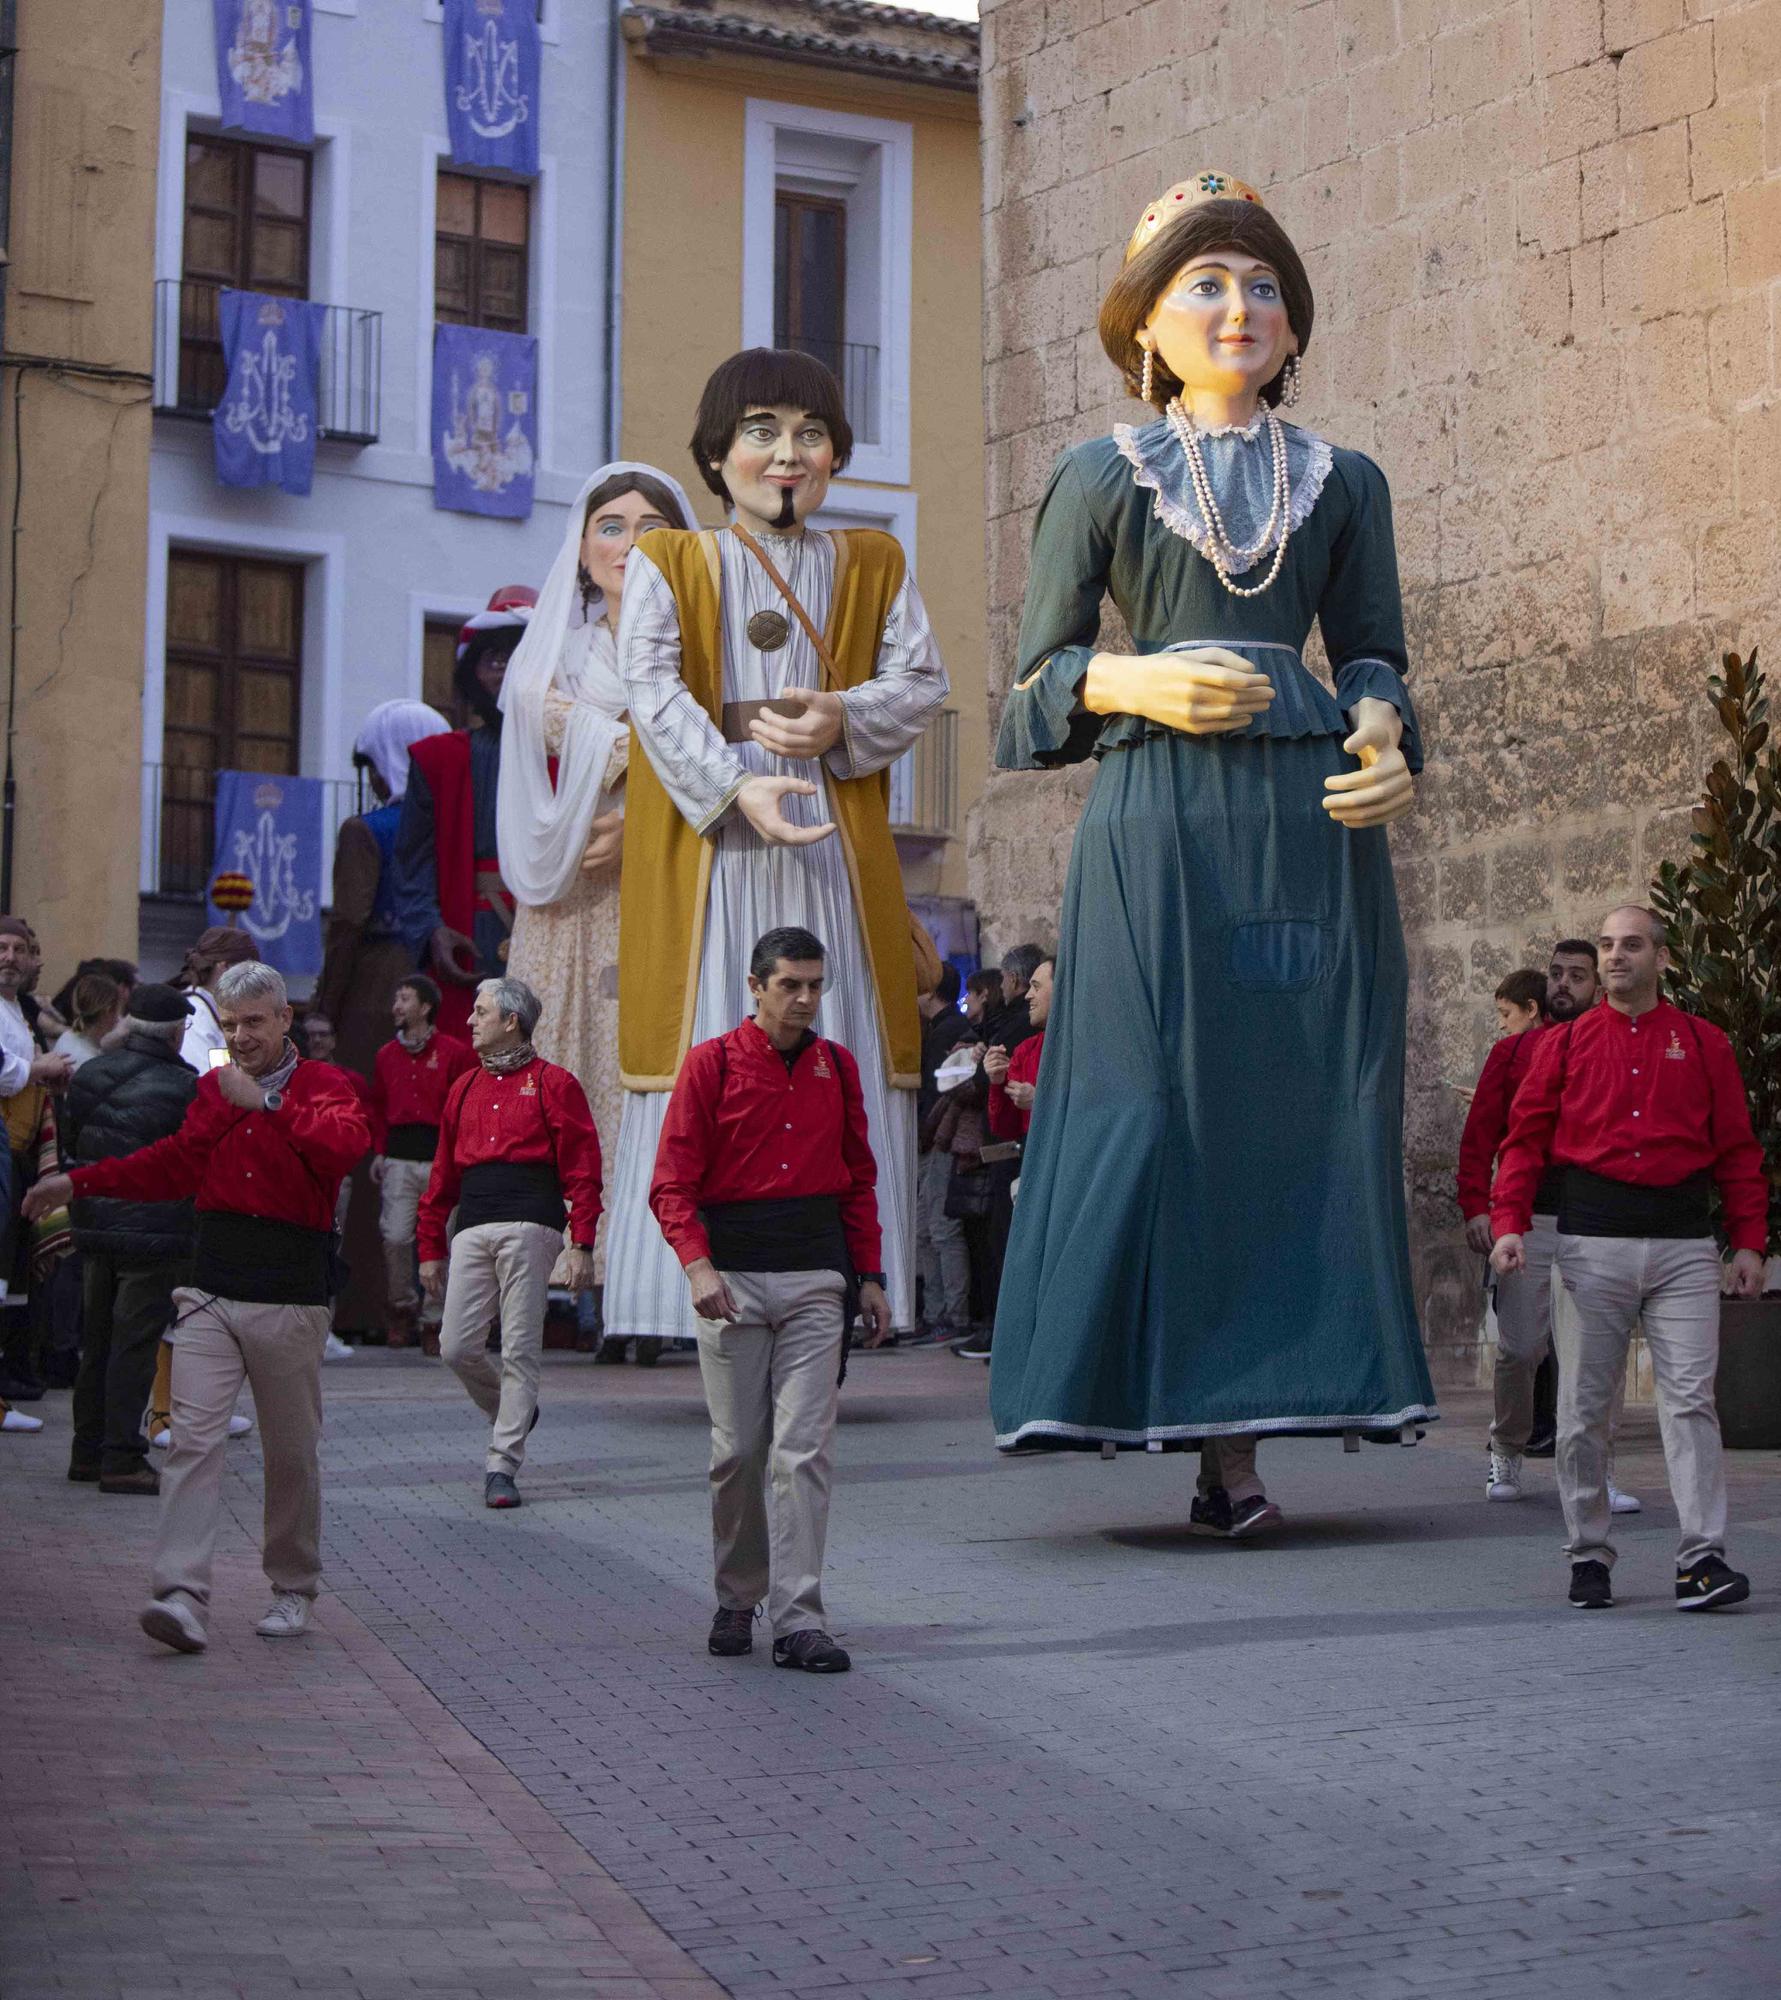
(543,830)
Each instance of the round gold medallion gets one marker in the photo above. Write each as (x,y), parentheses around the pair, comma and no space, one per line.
(768,631)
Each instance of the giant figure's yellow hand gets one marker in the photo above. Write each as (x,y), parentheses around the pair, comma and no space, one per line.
(1206,692)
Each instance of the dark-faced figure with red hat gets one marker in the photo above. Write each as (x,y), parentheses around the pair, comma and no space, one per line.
(454,911)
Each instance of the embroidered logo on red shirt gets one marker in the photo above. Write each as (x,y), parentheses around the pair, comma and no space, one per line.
(822,1068)
(528,1088)
(433,1060)
(1675,1052)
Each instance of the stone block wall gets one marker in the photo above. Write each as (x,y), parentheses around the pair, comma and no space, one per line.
(1546,243)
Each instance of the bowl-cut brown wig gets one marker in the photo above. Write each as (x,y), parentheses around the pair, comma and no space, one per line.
(764,378)
(1207,226)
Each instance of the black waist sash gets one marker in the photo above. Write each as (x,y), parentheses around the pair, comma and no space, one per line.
(801,1233)
(511,1191)
(1594,1205)
(411,1142)
(259,1261)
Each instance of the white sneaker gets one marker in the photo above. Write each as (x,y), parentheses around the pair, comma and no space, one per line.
(1503,1482)
(16,1420)
(336,1349)
(288,1618)
(1623,1503)
(239,1426)
(173,1621)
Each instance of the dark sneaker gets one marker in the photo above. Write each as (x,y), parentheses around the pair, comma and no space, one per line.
(1710,1585)
(144,1480)
(1543,1444)
(732,1634)
(1254,1516)
(1590,1588)
(1210,1513)
(84,1474)
(612,1351)
(498,1490)
(975,1348)
(811,1652)
(649,1350)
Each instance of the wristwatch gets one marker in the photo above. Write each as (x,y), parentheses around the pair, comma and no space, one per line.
(274,1098)
(870,1278)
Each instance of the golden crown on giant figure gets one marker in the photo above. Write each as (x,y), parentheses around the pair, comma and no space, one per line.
(1210,186)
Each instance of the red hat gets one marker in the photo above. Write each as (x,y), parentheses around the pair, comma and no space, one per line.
(510,609)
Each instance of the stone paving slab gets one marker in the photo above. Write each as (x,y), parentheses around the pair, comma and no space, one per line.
(1081,1751)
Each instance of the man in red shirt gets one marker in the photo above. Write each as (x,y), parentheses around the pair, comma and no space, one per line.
(1013,1077)
(1644,1109)
(262,1151)
(766,1189)
(517,1147)
(409,1079)
(1525,1380)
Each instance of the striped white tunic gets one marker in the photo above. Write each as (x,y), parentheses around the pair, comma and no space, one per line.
(756,887)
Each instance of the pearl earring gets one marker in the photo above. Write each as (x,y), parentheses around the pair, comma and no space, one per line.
(1289,392)
(1147,383)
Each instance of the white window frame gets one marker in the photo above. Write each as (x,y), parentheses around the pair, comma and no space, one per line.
(541,294)
(322,689)
(422,605)
(887,462)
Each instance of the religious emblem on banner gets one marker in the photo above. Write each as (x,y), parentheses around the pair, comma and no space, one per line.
(491,83)
(266,422)
(269,830)
(485,441)
(264,412)
(263,70)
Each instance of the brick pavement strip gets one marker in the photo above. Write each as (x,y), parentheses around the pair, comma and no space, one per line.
(1081,1753)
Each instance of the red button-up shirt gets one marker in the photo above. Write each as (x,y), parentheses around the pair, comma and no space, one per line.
(284,1165)
(1487,1122)
(1006,1119)
(409,1088)
(535,1115)
(1649,1099)
(742,1127)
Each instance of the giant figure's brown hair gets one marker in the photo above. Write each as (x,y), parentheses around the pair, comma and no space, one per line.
(765,378)
(1207,226)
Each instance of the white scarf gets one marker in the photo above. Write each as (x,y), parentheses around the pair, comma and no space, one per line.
(542,831)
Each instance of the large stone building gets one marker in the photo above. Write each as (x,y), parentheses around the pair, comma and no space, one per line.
(1546,239)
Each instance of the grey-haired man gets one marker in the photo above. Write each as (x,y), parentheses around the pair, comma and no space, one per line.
(261,1154)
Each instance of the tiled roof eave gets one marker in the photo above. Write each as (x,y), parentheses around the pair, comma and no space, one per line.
(660,31)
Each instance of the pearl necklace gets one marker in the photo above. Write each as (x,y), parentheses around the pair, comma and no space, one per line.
(1226,555)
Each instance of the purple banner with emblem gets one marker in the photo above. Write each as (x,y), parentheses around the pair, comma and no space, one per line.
(485,420)
(491,83)
(264,427)
(269,828)
(264,75)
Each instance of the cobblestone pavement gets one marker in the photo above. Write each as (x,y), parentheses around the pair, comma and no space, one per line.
(1080,1753)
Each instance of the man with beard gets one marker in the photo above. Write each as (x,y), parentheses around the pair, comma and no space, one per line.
(1525,1380)
(453,909)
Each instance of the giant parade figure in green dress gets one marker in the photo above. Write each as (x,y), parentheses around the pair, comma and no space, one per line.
(1209,1244)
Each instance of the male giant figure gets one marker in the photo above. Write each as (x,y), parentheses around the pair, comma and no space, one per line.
(775,672)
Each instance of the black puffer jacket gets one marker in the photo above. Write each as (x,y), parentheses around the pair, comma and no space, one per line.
(122,1100)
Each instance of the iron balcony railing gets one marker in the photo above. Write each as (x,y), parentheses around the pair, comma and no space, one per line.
(190,374)
(924,783)
(855,366)
(179,824)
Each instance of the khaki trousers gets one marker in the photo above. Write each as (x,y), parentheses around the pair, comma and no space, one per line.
(500,1267)
(771,1385)
(404,1182)
(1605,1285)
(1229,1462)
(1524,1337)
(217,1345)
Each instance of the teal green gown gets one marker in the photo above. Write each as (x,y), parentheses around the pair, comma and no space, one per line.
(1210,1237)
